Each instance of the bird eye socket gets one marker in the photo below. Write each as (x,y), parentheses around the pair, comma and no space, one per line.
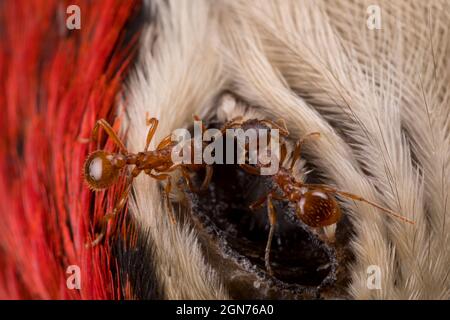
(235,236)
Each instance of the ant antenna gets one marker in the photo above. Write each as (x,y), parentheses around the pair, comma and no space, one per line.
(297,151)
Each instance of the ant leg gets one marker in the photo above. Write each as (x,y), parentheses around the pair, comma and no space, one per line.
(109,216)
(282,123)
(188,180)
(260,202)
(165,169)
(207,179)
(101,235)
(283,153)
(153,123)
(164,142)
(167,189)
(358,198)
(197,118)
(296,154)
(272,195)
(102,123)
(118,207)
(272,221)
(159,177)
(234,121)
(250,169)
(270,123)
(185,173)
(231,123)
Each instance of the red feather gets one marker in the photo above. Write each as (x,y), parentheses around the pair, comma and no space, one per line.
(55,84)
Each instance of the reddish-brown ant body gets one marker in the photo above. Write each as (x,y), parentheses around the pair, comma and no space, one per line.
(102,168)
(315,204)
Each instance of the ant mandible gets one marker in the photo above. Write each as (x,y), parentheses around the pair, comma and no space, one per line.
(315,204)
(102,168)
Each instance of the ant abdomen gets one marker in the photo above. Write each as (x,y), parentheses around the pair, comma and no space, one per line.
(317,208)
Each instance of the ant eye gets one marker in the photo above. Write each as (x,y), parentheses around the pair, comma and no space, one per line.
(96,169)
(99,172)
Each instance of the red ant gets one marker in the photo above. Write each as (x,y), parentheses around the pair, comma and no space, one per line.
(102,168)
(315,204)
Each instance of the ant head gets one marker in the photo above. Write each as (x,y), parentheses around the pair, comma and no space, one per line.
(100,171)
(318,208)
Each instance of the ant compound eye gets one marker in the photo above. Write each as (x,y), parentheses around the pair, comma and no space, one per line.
(99,172)
(318,209)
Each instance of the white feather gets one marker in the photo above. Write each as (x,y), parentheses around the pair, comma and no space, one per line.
(379,98)
(177,76)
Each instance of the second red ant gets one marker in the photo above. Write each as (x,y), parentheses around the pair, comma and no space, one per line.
(315,204)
